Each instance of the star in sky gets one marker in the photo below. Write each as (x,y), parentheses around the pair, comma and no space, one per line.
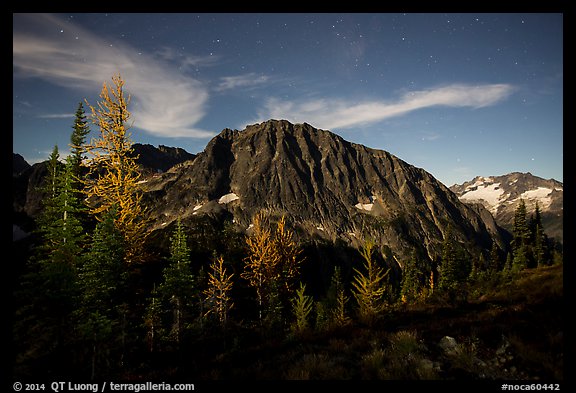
(407,83)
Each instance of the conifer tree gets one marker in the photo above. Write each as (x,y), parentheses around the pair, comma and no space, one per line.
(494,264)
(153,319)
(53,167)
(302,305)
(178,281)
(541,251)
(49,286)
(454,269)
(521,239)
(78,140)
(262,261)
(62,235)
(288,252)
(339,313)
(508,264)
(369,286)
(218,292)
(520,230)
(114,175)
(102,281)
(415,279)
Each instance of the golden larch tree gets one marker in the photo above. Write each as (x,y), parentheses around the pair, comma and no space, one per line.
(262,260)
(218,292)
(288,256)
(369,287)
(273,262)
(114,173)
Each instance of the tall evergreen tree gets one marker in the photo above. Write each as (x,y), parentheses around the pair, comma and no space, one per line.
(495,263)
(102,280)
(75,160)
(80,131)
(520,230)
(153,319)
(540,242)
(415,279)
(178,282)
(454,268)
(53,278)
(541,249)
(521,250)
(48,287)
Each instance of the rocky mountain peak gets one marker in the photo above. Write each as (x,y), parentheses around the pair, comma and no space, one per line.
(161,158)
(501,195)
(328,187)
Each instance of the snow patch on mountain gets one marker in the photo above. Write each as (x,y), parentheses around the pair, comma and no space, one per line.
(492,193)
(228,198)
(542,194)
(364,206)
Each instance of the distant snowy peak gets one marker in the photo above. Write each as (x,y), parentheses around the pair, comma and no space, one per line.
(497,192)
(501,194)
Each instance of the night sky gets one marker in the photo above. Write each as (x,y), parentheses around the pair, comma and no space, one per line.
(458,95)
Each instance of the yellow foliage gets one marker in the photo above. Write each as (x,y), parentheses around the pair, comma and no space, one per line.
(273,259)
(218,291)
(113,180)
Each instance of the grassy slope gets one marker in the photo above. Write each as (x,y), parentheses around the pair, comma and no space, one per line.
(511,331)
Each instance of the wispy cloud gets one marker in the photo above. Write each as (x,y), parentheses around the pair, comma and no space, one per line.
(341,113)
(56,116)
(184,60)
(164,102)
(430,136)
(241,81)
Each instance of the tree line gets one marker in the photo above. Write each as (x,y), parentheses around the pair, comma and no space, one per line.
(83,305)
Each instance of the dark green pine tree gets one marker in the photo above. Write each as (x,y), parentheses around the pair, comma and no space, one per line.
(494,264)
(541,249)
(339,299)
(80,131)
(49,189)
(539,239)
(415,277)
(520,239)
(302,307)
(508,264)
(520,229)
(153,320)
(454,268)
(102,280)
(50,287)
(77,141)
(177,287)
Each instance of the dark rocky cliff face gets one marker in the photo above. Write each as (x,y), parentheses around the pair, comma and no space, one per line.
(327,187)
(19,164)
(161,158)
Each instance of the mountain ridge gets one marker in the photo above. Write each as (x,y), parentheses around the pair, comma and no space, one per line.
(501,195)
(329,187)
